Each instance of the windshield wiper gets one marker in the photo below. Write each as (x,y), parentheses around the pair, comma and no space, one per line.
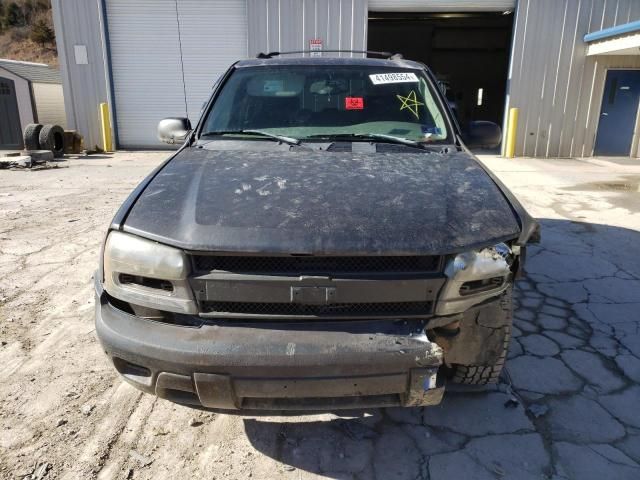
(279,138)
(372,136)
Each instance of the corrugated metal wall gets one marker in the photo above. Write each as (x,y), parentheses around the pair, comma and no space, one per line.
(556,86)
(77,22)
(281,25)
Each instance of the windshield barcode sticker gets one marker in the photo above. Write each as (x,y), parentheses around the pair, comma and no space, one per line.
(400,77)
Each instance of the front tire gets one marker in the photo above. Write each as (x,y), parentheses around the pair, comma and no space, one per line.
(487,374)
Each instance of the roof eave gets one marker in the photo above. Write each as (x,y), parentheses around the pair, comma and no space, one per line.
(2,67)
(611,32)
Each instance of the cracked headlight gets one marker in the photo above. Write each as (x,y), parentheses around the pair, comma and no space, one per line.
(474,277)
(147,273)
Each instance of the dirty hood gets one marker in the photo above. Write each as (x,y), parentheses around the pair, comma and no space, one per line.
(314,202)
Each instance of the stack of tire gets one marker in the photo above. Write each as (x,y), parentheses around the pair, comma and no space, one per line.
(44,137)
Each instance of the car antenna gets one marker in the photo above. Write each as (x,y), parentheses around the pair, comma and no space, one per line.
(388,55)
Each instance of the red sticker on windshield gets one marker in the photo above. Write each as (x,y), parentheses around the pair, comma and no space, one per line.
(354,103)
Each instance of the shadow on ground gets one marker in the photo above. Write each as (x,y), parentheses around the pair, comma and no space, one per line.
(573,369)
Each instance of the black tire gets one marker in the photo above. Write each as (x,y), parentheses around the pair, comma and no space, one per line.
(32,136)
(486,374)
(52,138)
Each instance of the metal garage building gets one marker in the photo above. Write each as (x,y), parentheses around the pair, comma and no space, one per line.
(571,66)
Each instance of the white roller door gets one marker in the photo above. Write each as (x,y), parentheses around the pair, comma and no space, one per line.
(165,56)
(441,5)
(214,36)
(146,67)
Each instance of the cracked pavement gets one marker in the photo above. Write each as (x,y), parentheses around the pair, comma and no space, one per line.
(566,407)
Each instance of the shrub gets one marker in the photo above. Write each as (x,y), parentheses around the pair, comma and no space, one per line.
(42,33)
(14,16)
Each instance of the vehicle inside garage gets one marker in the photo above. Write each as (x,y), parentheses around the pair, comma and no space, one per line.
(469,53)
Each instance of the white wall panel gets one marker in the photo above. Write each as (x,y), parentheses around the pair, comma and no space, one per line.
(214,36)
(49,103)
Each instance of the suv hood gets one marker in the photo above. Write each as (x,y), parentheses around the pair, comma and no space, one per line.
(314,202)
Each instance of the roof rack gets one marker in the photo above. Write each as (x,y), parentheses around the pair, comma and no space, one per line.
(387,55)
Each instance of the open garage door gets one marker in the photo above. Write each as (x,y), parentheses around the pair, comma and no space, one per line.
(164,64)
(468,51)
(441,5)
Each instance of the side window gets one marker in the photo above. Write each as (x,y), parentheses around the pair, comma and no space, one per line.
(225,108)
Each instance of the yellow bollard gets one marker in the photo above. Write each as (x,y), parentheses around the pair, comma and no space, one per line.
(107,146)
(512,127)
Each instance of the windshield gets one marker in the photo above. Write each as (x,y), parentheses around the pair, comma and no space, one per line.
(316,101)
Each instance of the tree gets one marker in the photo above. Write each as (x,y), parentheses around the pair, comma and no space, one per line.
(28,10)
(14,16)
(42,33)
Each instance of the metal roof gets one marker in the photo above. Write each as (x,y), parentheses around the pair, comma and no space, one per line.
(613,32)
(34,72)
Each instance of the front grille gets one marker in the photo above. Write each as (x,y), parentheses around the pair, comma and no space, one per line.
(311,265)
(331,310)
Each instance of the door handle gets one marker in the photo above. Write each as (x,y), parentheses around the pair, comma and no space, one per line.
(604,114)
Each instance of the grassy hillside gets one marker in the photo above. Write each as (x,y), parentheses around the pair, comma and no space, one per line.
(26,31)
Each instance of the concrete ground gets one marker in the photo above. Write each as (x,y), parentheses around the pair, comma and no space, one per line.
(567,407)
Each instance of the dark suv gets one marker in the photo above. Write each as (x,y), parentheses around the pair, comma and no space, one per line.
(323,239)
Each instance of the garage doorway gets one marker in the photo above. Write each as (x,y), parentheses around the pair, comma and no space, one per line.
(468,52)
(10,131)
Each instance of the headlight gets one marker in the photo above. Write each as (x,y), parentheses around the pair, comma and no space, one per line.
(475,276)
(146,273)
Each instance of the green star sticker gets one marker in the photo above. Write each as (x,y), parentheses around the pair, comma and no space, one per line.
(411,103)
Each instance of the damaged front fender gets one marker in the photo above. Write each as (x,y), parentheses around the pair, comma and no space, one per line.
(474,277)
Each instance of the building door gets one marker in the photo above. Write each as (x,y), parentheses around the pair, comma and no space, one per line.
(10,131)
(618,113)
(165,56)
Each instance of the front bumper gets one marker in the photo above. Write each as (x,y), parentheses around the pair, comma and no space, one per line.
(235,365)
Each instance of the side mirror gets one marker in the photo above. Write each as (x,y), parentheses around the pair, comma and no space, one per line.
(173,130)
(482,134)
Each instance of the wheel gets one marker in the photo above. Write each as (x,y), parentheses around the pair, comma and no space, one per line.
(485,374)
(32,136)
(52,138)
